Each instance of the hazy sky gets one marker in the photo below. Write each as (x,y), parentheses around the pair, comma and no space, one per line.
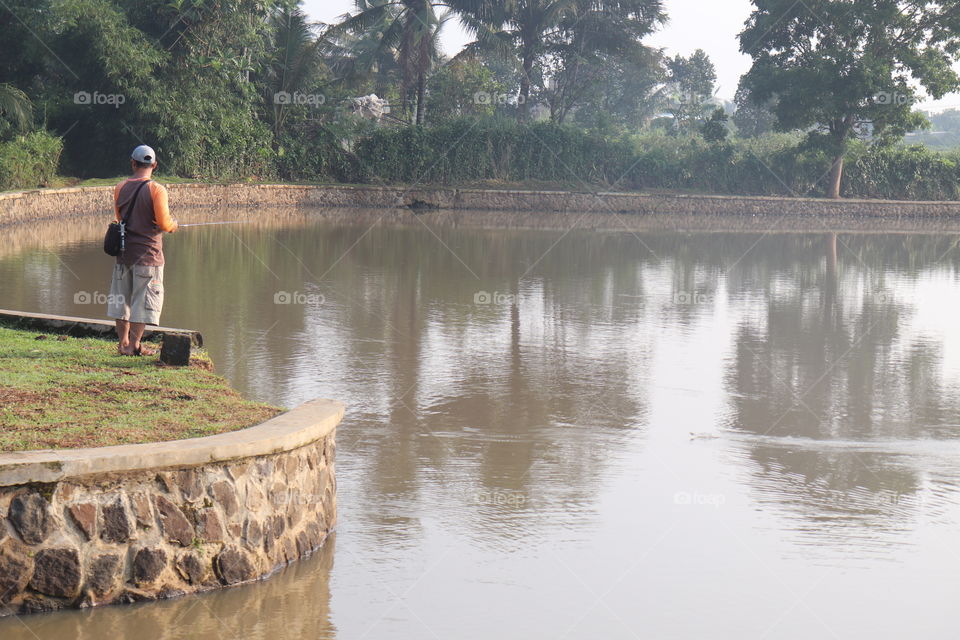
(711,25)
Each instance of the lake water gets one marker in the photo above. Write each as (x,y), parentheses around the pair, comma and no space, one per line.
(575,426)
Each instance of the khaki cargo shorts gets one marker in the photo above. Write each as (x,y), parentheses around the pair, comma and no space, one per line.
(136,294)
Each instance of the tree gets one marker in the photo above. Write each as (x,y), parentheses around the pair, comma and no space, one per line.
(464,87)
(843,69)
(25,26)
(590,39)
(204,103)
(692,81)
(626,93)
(572,32)
(358,60)
(292,66)
(752,119)
(715,128)
(100,74)
(518,28)
(410,27)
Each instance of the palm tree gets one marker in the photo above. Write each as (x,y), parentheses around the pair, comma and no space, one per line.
(359,57)
(517,28)
(596,35)
(296,59)
(15,106)
(410,28)
(568,29)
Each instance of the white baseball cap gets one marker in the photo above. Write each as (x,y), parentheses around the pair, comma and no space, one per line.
(145,154)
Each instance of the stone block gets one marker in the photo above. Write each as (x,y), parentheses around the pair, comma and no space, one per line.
(142,510)
(173,523)
(104,574)
(237,470)
(165,482)
(303,544)
(314,536)
(115,522)
(84,515)
(57,572)
(189,481)
(176,349)
(16,568)
(39,604)
(279,525)
(148,564)
(224,493)
(30,515)
(209,528)
(252,533)
(289,548)
(233,566)
(295,507)
(254,496)
(191,568)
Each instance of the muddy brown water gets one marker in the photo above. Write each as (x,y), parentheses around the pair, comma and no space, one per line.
(575,426)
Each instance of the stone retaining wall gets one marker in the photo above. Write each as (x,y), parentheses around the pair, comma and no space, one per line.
(87,527)
(52,203)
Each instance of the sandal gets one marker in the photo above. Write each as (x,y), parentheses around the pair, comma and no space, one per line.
(144,351)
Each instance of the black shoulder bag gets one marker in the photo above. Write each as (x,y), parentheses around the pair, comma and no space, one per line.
(115,240)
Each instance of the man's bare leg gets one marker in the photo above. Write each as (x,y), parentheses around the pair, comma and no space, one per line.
(123,332)
(136,332)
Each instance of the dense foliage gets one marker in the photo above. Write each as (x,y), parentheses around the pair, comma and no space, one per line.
(560,91)
(29,160)
(492,150)
(773,164)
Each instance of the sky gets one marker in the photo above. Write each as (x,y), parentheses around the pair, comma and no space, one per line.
(711,25)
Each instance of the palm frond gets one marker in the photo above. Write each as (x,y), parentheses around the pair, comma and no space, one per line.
(16,106)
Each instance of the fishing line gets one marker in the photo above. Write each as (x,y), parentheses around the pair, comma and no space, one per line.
(204,224)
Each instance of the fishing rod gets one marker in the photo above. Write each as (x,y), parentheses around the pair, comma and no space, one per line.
(204,224)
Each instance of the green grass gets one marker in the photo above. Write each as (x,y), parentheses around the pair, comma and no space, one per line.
(61,392)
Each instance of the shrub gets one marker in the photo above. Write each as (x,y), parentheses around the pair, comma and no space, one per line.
(904,173)
(316,155)
(30,160)
(465,150)
(776,164)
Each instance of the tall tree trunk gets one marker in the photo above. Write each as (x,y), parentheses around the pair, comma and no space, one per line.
(524,113)
(836,175)
(565,100)
(840,129)
(421,95)
(405,102)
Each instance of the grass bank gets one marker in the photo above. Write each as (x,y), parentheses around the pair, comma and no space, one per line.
(60,392)
(519,185)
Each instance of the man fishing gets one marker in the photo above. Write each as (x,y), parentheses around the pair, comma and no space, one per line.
(136,291)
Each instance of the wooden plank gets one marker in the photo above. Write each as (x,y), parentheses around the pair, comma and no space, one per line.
(82,327)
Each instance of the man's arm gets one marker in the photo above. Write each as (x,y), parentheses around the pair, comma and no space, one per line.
(116,196)
(161,208)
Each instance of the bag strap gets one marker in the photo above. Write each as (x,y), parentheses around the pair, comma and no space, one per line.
(133,202)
